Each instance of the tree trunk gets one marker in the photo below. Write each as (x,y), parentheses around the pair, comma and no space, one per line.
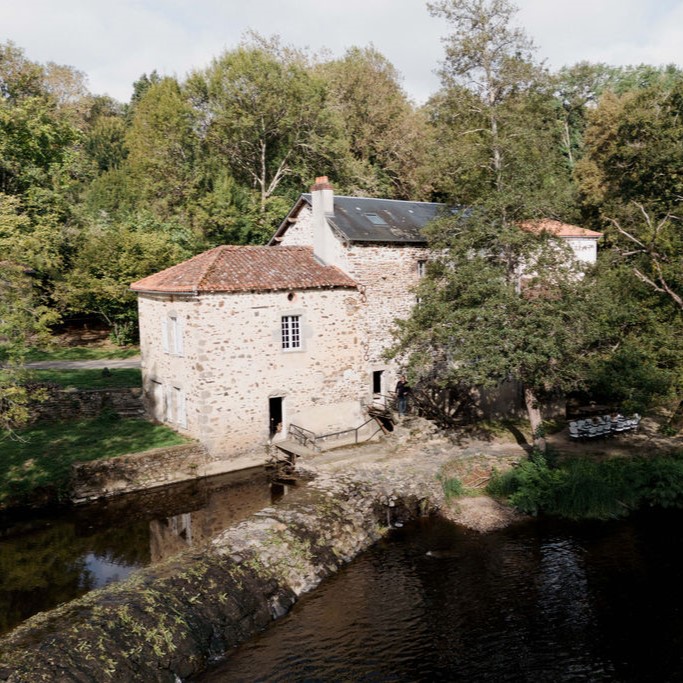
(534,411)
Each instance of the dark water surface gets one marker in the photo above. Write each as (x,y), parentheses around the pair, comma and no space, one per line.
(50,559)
(544,601)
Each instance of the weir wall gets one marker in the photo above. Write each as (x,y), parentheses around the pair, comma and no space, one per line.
(170,620)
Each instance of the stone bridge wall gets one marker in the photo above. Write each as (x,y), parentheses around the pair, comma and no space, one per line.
(127,473)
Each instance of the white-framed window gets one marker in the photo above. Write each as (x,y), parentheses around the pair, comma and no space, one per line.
(291,332)
(421,268)
(172,334)
(175,409)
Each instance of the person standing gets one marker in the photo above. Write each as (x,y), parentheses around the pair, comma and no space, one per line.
(402,391)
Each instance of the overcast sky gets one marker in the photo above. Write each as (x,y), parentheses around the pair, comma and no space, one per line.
(115,41)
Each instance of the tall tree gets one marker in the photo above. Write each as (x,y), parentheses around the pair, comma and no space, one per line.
(384,133)
(162,147)
(631,181)
(496,127)
(488,57)
(99,278)
(24,321)
(494,119)
(263,112)
(499,303)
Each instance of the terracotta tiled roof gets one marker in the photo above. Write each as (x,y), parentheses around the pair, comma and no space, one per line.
(558,228)
(232,268)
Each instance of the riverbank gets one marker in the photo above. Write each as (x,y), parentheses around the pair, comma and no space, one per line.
(167,622)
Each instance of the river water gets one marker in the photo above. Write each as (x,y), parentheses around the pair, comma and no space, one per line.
(55,556)
(541,601)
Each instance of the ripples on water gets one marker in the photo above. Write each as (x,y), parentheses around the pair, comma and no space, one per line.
(537,602)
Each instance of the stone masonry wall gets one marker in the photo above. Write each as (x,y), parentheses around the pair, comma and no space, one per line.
(67,404)
(388,275)
(168,622)
(232,364)
(126,473)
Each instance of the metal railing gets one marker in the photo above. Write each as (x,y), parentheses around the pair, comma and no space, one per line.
(303,436)
(387,401)
(308,438)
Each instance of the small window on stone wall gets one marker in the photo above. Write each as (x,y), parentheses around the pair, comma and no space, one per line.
(175,410)
(291,332)
(421,268)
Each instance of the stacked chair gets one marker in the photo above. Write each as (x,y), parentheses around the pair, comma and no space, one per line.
(602,426)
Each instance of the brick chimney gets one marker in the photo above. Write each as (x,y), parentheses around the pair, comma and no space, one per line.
(322,198)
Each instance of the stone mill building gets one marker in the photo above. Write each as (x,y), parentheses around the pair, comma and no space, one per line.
(242,342)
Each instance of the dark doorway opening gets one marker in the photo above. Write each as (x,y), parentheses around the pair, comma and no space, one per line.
(275,412)
(377,381)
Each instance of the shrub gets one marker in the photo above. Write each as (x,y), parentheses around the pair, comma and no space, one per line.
(582,488)
(663,482)
(452,487)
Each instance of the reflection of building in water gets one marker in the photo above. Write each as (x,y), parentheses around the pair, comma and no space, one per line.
(224,507)
(181,525)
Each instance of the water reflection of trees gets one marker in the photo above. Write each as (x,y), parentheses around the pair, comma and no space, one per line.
(47,566)
(47,561)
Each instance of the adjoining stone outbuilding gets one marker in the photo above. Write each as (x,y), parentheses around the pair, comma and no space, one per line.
(240,343)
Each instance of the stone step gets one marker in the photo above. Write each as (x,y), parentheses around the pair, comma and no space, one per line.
(290,446)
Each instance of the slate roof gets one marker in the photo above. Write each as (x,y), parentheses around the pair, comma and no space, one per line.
(559,229)
(231,268)
(365,219)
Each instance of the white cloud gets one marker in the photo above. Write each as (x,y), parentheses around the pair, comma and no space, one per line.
(115,42)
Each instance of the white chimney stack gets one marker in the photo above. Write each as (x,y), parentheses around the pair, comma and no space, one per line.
(322,196)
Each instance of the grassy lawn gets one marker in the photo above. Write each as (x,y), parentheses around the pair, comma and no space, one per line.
(41,458)
(88,379)
(82,353)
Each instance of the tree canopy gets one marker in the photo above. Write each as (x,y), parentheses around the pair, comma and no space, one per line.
(96,193)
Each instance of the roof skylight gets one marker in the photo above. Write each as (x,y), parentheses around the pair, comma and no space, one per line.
(375,219)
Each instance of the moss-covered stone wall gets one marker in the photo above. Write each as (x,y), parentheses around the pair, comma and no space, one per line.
(168,621)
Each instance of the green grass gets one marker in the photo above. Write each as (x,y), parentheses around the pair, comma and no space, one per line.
(452,488)
(89,379)
(70,353)
(40,459)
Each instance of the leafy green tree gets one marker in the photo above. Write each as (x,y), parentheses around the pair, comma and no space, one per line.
(263,114)
(162,148)
(580,87)
(495,119)
(500,303)
(631,181)
(112,255)
(384,133)
(36,127)
(142,85)
(24,321)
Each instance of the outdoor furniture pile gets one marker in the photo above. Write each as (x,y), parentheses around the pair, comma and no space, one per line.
(602,426)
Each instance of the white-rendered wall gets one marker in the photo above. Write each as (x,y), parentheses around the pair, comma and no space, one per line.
(585,248)
(234,363)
